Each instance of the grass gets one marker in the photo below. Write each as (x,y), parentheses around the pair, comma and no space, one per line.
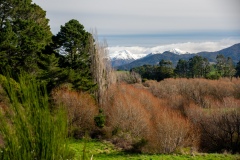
(29,129)
(106,151)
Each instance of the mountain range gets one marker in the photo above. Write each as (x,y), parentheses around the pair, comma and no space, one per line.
(125,60)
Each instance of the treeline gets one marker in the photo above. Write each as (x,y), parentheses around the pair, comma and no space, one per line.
(195,67)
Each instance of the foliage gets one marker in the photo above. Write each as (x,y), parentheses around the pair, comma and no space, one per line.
(198,67)
(28,128)
(134,123)
(164,70)
(195,67)
(74,43)
(238,70)
(128,77)
(225,67)
(100,119)
(50,72)
(182,68)
(4,81)
(27,44)
(212,106)
(221,130)
(24,32)
(81,109)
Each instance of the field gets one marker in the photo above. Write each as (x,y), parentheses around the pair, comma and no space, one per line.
(106,151)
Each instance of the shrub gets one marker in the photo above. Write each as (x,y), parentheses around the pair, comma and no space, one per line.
(202,92)
(140,122)
(220,130)
(210,107)
(100,119)
(128,77)
(81,109)
(28,128)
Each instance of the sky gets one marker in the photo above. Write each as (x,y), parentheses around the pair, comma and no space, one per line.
(145,16)
(148,17)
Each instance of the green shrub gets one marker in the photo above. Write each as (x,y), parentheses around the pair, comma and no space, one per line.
(100,119)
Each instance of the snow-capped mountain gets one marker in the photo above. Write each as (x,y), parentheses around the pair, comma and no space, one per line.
(123,57)
(178,51)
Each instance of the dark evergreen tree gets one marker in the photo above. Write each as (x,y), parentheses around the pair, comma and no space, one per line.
(164,70)
(181,69)
(157,72)
(74,44)
(198,67)
(24,32)
(238,70)
(50,72)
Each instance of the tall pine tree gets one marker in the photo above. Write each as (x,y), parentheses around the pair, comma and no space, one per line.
(74,44)
(24,32)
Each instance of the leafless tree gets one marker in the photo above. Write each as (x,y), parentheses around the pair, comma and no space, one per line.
(101,68)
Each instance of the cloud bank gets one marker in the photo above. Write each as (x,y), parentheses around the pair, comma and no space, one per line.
(191,47)
(145,16)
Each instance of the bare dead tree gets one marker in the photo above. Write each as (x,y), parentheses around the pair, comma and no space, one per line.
(101,68)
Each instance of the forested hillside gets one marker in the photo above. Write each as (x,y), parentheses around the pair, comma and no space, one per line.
(195,67)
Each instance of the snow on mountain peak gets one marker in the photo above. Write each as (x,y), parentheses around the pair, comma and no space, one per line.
(125,55)
(177,51)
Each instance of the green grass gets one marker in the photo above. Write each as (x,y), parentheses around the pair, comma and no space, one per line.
(106,151)
(29,129)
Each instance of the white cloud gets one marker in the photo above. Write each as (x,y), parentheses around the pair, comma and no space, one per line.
(191,47)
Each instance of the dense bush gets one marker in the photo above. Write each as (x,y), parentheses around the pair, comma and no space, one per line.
(221,131)
(81,110)
(212,106)
(138,121)
(128,77)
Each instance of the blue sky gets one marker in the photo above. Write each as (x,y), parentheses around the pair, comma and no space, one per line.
(146,16)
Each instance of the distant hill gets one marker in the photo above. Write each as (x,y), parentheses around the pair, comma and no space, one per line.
(153,59)
(233,52)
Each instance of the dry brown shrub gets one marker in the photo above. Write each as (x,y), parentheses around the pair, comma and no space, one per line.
(172,131)
(124,110)
(219,125)
(138,115)
(128,77)
(212,107)
(236,83)
(220,131)
(202,92)
(81,110)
